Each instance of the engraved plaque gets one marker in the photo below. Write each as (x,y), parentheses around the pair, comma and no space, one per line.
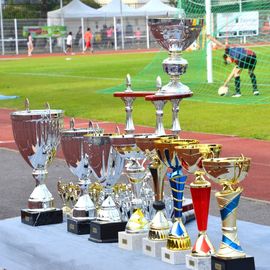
(218,266)
(167,256)
(124,241)
(148,248)
(27,218)
(94,230)
(71,226)
(191,263)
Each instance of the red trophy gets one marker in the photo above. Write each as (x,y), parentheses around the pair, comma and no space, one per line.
(191,157)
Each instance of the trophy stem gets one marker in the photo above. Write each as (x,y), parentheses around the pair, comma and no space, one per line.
(129,108)
(228,202)
(175,121)
(159,105)
(40,199)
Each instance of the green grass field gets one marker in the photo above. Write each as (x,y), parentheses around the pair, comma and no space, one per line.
(83,87)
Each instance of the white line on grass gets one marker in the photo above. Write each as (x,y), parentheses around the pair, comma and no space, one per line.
(70,76)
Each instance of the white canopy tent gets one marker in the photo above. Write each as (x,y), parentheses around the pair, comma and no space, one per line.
(75,9)
(116,9)
(158,8)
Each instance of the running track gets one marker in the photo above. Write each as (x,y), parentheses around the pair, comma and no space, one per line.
(256,185)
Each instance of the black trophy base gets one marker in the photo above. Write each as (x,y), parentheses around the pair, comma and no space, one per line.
(78,226)
(246,263)
(106,232)
(41,218)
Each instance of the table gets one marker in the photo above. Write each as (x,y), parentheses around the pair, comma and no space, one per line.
(51,247)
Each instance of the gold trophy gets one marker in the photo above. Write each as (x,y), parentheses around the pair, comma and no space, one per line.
(178,243)
(159,225)
(228,172)
(191,157)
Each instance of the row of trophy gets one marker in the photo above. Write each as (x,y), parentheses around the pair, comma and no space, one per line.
(134,215)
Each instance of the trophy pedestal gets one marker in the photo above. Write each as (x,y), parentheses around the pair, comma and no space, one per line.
(174,257)
(131,241)
(198,263)
(153,248)
(105,232)
(41,218)
(78,226)
(246,263)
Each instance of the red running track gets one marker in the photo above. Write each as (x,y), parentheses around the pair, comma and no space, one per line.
(256,185)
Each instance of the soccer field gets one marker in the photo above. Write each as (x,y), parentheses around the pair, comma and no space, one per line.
(83,86)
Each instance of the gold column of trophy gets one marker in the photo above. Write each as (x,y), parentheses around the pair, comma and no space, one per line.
(191,157)
(159,225)
(178,243)
(228,172)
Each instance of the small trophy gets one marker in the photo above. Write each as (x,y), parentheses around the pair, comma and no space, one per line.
(178,242)
(72,145)
(137,226)
(228,172)
(106,166)
(191,157)
(37,136)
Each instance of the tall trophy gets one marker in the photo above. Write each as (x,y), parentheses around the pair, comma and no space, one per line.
(191,157)
(37,136)
(106,166)
(228,172)
(175,36)
(137,226)
(72,145)
(159,226)
(178,242)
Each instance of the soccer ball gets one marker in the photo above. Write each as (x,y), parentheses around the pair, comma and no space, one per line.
(223,91)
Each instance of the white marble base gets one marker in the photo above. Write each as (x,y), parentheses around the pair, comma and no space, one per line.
(130,241)
(174,257)
(198,263)
(153,248)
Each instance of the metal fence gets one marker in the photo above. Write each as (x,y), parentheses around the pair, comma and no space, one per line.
(134,35)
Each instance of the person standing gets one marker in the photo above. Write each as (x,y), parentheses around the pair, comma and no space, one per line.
(30,45)
(243,58)
(69,43)
(88,38)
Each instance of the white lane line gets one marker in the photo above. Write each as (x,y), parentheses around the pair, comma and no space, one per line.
(2,142)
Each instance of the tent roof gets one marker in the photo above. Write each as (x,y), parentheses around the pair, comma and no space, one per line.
(75,9)
(157,7)
(114,9)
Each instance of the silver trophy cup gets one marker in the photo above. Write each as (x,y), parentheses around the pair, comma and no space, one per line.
(37,136)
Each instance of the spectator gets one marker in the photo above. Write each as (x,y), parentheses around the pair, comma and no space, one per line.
(69,43)
(78,38)
(88,39)
(109,37)
(138,35)
(30,45)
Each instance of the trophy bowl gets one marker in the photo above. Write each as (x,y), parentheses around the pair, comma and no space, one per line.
(170,32)
(191,156)
(37,136)
(227,171)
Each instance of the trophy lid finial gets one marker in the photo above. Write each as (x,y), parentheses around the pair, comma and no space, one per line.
(47,106)
(158,83)
(27,105)
(72,123)
(128,83)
